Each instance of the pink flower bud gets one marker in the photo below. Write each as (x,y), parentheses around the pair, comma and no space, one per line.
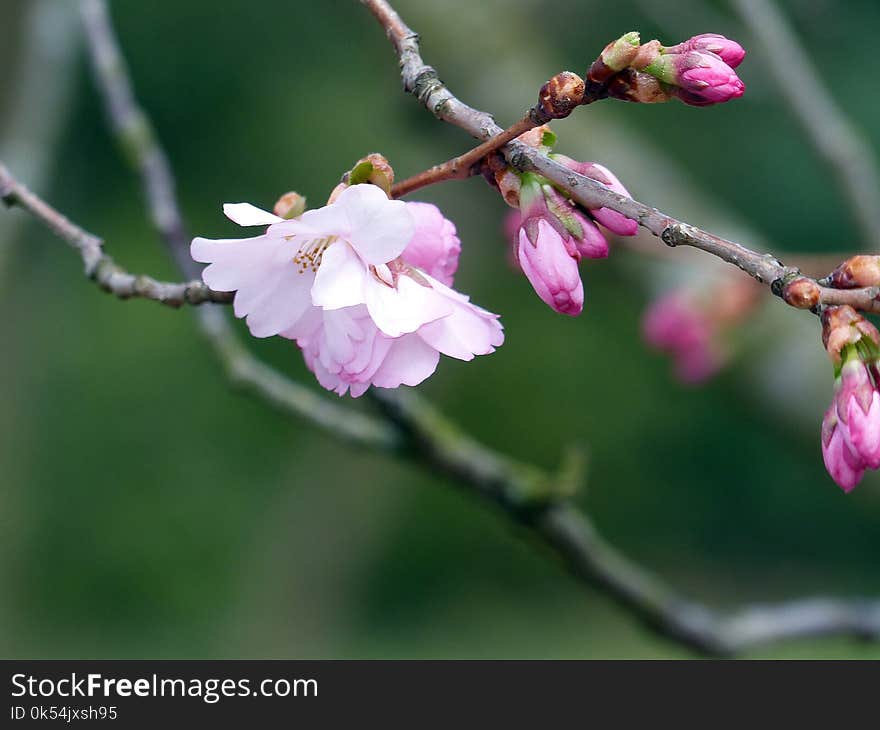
(704,79)
(858,409)
(845,467)
(551,268)
(731,52)
(615,222)
(611,219)
(591,244)
(581,234)
(697,78)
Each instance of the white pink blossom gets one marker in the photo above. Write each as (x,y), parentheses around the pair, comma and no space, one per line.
(360,284)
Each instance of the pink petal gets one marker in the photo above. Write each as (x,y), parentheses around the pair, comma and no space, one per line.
(843,468)
(467,332)
(409,361)
(864,430)
(434,247)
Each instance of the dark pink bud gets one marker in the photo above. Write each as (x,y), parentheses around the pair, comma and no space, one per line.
(731,52)
(705,79)
(845,467)
(858,409)
(697,78)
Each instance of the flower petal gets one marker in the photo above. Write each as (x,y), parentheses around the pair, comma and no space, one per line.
(467,332)
(434,247)
(340,279)
(246,214)
(397,311)
(409,361)
(269,290)
(379,229)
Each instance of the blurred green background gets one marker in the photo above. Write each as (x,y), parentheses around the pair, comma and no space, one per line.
(146,510)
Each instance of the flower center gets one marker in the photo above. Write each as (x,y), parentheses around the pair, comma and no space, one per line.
(309,256)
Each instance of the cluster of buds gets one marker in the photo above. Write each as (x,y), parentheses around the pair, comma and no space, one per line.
(550,233)
(699,71)
(694,325)
(851,426)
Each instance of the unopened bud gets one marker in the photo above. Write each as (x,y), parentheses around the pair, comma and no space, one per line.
(290,205)
(646,55)
(698,78)
(731,52)
(539,137)
(560,95)
(856,272)
(843,326)
(639,87)
(801,293)
(373,168)
(509,184)
(620,53)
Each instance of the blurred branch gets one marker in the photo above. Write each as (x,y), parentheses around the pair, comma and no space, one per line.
(556,521)
(40,87)
(841,146)
(133,131)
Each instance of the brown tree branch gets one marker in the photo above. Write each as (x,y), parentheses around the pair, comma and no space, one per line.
(422,81)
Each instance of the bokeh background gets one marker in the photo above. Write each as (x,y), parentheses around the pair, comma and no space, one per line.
(146,510)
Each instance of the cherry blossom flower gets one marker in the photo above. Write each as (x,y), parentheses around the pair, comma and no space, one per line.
(353,283)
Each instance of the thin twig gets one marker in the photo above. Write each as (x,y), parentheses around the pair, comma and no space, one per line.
(463,166)
(99,266)
(844,150)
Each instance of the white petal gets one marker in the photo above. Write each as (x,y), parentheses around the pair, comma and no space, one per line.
(246,214)
(379,228)
(406,308)
(235,262)
(341,278)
